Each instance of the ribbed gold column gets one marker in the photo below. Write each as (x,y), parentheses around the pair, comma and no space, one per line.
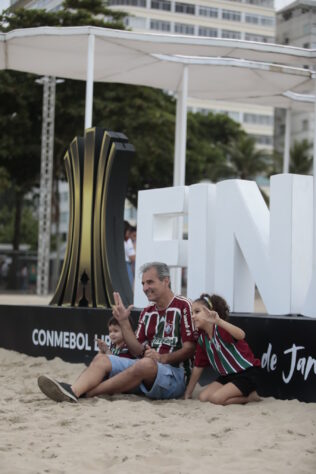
(94,256)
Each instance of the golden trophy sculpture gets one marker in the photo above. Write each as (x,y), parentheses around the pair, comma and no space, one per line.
(94,265)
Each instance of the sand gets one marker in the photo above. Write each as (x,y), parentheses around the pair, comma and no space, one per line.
(129,434)
(24,299)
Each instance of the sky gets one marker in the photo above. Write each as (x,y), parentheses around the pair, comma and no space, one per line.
(277,3)
(4,4)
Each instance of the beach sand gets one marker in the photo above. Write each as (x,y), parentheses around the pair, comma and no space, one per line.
(129,434)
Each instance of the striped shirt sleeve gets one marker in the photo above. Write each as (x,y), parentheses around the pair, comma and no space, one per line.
(140,332)
(201,359)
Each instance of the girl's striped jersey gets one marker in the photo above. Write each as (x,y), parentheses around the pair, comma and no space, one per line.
(167,330)
(224,353)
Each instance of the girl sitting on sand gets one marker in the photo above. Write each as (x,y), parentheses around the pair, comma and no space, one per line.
(222,346)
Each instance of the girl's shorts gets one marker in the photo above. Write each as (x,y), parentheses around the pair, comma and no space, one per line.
(246,380)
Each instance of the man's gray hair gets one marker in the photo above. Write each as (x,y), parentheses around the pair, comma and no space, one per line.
(161,268)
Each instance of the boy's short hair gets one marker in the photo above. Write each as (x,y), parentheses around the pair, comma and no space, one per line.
(113,322)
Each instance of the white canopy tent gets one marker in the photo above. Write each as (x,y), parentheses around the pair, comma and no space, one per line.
(188,66)
(66,49)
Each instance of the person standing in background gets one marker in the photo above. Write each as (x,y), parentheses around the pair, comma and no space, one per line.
(130,253)
(133,235)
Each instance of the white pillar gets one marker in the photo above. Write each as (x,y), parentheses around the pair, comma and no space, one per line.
(287,138)
(181,131)
(314,189)
(179,164)
(309,308)
(89,83)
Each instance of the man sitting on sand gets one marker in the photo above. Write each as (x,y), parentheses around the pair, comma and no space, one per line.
(164,345)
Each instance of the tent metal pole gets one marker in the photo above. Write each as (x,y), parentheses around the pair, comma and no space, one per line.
(179,167)
(89,83)
(177,142)
(181,131)
(286,156)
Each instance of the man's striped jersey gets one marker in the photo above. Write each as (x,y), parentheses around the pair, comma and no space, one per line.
(167,330)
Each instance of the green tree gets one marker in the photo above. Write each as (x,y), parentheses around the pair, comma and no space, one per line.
(73,13)
(147,117)
(244,160)
(20,122)
(207,134)
(29,224)
(276,165)
(70,95)
(4,179)
(301,159)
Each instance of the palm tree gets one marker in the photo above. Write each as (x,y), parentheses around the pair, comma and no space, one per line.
(245,161)
(301,159)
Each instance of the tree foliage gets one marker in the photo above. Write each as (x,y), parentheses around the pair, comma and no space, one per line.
(29,225)
(73,13)
(244,160)
(147,117)
(207,134)
(301,159)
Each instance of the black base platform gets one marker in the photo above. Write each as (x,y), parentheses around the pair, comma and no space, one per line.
(285,344)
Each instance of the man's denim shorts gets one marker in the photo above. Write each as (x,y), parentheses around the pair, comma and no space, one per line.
(169,383)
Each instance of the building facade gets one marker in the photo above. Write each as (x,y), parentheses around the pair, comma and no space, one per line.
(49,5)
(296,26)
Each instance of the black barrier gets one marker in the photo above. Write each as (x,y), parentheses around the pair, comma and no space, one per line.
(47,331)
(285,345)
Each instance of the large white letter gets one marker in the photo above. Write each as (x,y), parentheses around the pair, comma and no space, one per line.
(274,252)
(201,237)
(158,211)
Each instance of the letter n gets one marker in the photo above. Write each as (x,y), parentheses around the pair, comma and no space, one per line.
(272,249)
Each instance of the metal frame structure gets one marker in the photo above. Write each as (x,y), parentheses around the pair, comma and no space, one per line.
(46,181)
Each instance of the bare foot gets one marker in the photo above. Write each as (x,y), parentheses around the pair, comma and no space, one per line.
(254,397)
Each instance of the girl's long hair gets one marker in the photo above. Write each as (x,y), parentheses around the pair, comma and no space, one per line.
(216,303)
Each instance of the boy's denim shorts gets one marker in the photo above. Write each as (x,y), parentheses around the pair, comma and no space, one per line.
(169,383)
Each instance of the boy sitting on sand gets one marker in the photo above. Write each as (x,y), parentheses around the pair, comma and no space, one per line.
(117,346)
